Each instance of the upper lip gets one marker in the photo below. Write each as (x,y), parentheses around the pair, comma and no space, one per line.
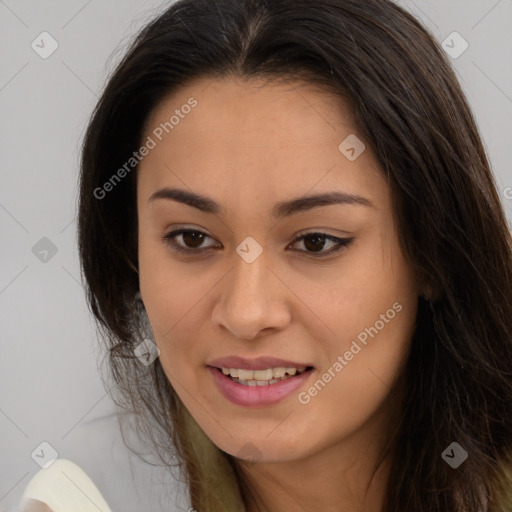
(260,363)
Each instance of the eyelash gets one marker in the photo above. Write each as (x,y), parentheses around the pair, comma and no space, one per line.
(341,242)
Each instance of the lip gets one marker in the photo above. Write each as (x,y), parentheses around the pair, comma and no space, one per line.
(257,396)
(260,363)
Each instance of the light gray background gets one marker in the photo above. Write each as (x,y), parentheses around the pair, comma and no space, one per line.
(50,388)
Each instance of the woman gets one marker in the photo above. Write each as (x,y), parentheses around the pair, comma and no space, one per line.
(290,204)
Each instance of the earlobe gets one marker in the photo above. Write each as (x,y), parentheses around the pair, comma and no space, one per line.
(426,290)
(427,293)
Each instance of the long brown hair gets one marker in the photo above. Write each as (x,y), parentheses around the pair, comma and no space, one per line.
(450,223)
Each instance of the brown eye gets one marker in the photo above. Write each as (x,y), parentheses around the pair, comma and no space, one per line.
(315,243)
(191,240)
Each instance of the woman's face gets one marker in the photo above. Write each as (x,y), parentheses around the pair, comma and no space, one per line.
(243,290)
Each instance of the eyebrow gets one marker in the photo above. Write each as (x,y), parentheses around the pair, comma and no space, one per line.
(280,210)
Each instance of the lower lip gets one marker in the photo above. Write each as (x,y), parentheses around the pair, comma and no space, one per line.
(257,396)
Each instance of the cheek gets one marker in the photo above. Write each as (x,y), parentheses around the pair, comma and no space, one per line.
(170,288)
(357,377)
(176,304)
(360,292)
(370,309)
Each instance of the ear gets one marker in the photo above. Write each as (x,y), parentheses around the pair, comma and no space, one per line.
(426,289)
(426,292)
(430,293)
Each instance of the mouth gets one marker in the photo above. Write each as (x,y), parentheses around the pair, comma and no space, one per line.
(267,377)
(259,388)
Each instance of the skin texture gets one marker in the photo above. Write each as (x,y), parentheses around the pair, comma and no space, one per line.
(249,145)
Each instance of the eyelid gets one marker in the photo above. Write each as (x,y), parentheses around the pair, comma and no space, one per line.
(168,240)
(341,242)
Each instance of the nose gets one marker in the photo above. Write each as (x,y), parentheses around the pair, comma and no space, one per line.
(252,299)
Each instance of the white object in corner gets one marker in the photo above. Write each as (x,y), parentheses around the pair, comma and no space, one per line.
(65,487)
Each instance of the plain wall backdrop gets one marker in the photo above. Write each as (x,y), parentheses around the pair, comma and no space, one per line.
(50,388)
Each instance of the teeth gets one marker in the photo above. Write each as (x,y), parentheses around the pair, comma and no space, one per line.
(263,374)
(243,374)
(278,373)
(258,383)
(261,377)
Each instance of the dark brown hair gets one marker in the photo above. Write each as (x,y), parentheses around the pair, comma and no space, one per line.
(451,225)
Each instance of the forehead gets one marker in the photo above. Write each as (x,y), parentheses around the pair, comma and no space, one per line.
(257,110)
(255,136)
